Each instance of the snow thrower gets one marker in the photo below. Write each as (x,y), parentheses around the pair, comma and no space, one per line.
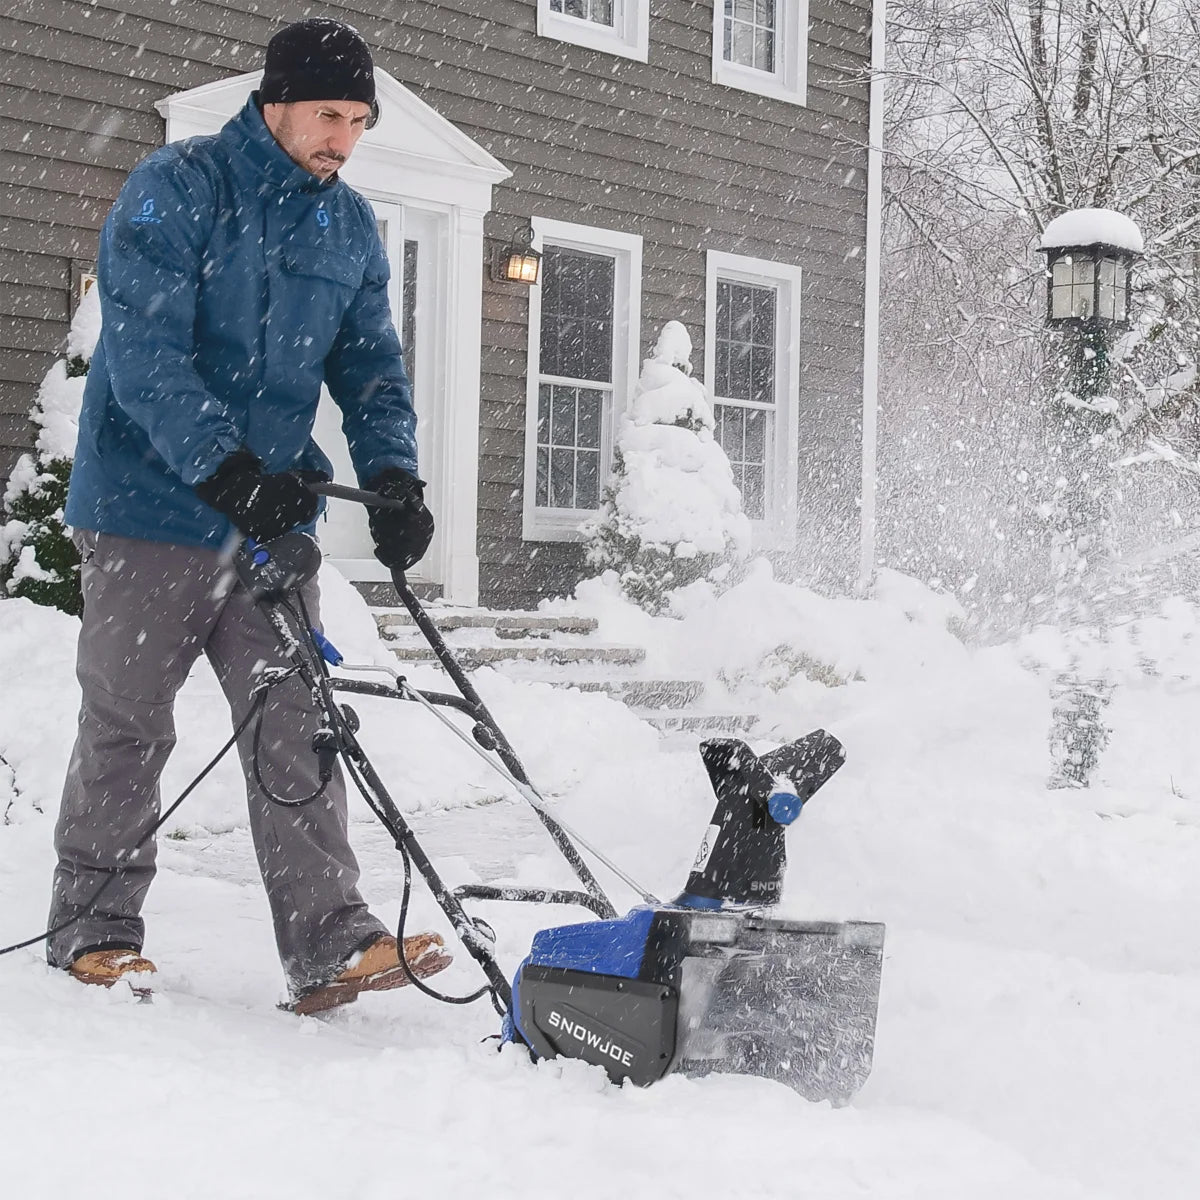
(709,982)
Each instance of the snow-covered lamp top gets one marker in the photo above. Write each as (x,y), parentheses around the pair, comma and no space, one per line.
(1088,253)
(1093,227)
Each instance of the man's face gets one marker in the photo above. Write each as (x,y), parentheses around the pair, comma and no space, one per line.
(318,135)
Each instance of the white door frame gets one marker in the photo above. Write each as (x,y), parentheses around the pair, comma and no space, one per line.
(415,157)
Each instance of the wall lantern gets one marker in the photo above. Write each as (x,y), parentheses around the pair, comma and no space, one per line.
(1088,255)
(518,262)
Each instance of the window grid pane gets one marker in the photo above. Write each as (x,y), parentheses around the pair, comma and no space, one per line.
(745,342)
(598,12)
(568,448)
(750,29)
(744,435)
(408,305)
(577,314)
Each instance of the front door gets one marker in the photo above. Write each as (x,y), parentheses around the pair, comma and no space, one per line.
(410,236)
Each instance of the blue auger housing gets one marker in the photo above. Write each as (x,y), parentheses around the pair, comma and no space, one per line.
(711,982)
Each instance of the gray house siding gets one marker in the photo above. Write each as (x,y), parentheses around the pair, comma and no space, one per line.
(650,148)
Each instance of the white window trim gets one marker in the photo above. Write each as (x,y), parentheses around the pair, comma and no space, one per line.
(777,531)
(562,524)
(629,37)
(790,79)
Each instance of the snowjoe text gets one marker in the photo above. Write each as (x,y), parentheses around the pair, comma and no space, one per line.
(596,1041)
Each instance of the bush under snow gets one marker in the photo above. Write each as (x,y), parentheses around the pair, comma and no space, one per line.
(671,513)
(37,558)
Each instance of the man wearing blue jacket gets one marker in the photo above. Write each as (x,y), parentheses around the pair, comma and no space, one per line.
(237,274)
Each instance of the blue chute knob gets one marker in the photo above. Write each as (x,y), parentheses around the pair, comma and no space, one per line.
(783,804)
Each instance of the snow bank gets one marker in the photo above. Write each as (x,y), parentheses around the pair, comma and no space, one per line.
(1039,1028)
(424,765)
(762,634)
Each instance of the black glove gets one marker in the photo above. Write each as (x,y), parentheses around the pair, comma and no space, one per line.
(402,535)
(262,506)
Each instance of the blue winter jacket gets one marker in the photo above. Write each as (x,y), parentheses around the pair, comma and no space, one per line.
(233,283)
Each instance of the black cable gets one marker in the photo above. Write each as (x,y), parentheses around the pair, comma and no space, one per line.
(255,765)
(94,899)
(333,715)
(405,899)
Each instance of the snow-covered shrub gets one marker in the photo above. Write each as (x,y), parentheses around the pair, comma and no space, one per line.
(37,557)
(671,513)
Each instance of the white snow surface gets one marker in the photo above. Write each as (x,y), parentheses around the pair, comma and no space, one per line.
(1039,1024)
(1093,226)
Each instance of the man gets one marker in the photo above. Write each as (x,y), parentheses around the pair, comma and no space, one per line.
(237,274)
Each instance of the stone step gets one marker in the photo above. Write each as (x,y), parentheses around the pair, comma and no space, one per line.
(549,653)
(505,625)
(383,594)
(692,722)
(630,689)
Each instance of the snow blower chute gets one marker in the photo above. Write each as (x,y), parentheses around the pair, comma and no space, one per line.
(709,982)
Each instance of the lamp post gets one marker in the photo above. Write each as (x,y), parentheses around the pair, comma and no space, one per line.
(1089,253)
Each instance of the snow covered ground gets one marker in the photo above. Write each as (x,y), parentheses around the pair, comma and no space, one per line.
(1039,1029)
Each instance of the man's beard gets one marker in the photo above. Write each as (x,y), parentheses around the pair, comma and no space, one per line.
(324,164)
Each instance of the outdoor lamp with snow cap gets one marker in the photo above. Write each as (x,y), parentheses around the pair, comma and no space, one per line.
(1088,255)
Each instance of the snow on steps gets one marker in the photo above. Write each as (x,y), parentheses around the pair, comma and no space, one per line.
(555,649)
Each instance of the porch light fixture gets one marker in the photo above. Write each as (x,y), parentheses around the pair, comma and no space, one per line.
(1088,255)
(518,262)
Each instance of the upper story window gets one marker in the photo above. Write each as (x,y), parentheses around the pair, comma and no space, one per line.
(752,357)
(762,46)
(583,329)
(619,27)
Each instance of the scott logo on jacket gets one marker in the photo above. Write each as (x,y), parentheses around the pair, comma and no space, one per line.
(147,215)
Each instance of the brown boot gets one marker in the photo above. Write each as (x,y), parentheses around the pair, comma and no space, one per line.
(377,969)
(105,967)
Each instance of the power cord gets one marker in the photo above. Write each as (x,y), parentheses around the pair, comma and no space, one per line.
(405,899)
(94,899)
(337,720)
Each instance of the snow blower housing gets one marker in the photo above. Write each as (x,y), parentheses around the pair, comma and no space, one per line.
(711,982)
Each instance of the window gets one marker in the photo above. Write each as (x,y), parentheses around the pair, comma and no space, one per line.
(762,46)
(614,26)
(744,385)
(752,350)
(576,346)
(1074,287)
(583,330)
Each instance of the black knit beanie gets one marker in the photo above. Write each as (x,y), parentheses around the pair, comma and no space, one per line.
(318,59)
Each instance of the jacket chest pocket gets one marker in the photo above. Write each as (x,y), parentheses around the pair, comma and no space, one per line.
(322,267)
(316,289)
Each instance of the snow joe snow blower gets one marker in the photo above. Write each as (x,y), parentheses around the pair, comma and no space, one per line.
(708,982)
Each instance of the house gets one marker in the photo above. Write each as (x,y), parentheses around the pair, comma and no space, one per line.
(699,160)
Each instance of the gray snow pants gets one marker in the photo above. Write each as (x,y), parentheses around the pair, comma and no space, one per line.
(150,610)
